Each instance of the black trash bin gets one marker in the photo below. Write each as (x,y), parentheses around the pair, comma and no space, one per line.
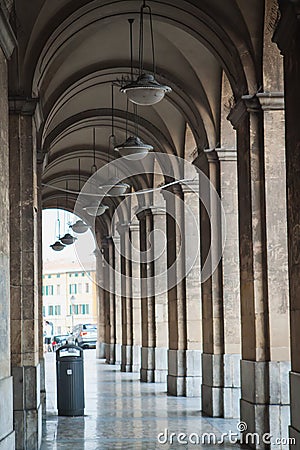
(70,380)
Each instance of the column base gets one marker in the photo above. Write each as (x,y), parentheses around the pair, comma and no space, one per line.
(43,388)
(154,365)
(27,407)
(265,399)
(118,356)
(7,435)
(110,353)
(232,386)
(100,350)
(136,358)
(126,362)
(184,373)
(212,387)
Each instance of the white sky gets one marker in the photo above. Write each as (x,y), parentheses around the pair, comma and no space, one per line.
(82,249)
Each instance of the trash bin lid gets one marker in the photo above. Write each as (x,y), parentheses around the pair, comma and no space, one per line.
(69,350)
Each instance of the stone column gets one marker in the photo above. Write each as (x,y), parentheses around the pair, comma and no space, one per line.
(24,279)
(231,283)
(109,303)
(154,295)
(183,363)
(126,271)
(136,298)
(7,435)
(287,36)
(262,254)
(193,289)
(212,293)
(100,305)
(40,286)
(118,302)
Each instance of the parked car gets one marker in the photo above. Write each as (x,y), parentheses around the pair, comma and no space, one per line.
(58,341)
(85,335)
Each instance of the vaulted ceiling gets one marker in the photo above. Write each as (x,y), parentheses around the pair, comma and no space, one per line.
(72,50)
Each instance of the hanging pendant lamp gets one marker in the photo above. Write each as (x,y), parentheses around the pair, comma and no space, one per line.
(67,239)
(57,246)
(114,187)
(145,90)
(79,227)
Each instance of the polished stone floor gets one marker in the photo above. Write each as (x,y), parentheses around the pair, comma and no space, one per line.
(123,413)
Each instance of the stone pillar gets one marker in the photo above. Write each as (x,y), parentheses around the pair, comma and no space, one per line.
(24,280)
(154,295)
(118,302)
(100,352)
(7,435)
(183,363)
(262,254)
(231,284)
(193,290)
(287,36)
(126,271)
(136,298)
(212,294)
(40,286)
(109,307)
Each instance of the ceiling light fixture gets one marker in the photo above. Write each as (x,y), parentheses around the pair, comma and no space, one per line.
(145,90)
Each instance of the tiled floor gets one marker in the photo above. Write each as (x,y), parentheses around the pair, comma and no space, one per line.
(122,413)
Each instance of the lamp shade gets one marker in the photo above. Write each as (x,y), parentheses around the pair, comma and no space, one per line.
(79,227)
(96,210)
(114,187)
(68,239)
(57,246)
(145,90)
(133,148)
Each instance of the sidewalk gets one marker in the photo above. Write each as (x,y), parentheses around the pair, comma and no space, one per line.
(123,413)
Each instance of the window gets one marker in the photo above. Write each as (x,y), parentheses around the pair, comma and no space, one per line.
(57,310)
(43,290)
(58,275)
(76,274)
(44,311)
(70,274)
(58,289)
(74,310)
(49,290)
(49,276)
(73,288)
(50,310)
(82,274)
(79,288)
(85,309)
(87,288)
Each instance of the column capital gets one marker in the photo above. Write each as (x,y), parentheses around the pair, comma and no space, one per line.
(192,187)
(271,101)
(123,228)
(149,210)
(211,154)
(23,106)
(226,154)
(8,40)
(174,189)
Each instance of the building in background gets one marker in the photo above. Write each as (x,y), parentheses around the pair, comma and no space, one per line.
(69,295)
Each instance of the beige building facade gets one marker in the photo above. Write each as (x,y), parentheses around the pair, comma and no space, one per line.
(69,296)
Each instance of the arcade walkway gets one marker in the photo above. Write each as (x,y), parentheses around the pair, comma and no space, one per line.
(123,413)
